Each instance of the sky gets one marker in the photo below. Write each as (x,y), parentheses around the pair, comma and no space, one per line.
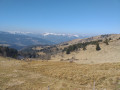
(60,16)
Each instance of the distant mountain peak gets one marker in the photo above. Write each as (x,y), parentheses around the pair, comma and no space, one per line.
(18,32)
(56,34)
(55,38)
(46,34)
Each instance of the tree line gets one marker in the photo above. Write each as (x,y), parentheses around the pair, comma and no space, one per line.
(83,46)
(8,52)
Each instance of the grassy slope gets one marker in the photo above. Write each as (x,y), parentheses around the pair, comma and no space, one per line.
(108,53)
(38,75)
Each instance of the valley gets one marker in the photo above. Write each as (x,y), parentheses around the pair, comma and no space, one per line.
(21,40)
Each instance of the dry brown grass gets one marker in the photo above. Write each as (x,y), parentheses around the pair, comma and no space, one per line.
(38,75)
(81,75)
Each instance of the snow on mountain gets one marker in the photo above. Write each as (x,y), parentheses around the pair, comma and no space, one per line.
(20,40)
(44,34)
(69,35)
(18,32)
(53,37)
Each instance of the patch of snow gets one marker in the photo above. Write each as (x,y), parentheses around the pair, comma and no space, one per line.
(69,35)
(18,32)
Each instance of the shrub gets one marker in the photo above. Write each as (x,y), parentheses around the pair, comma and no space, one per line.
(106,41)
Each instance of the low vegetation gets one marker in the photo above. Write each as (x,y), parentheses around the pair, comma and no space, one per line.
(98,47)
(78,46)
(35,75)
(106,41)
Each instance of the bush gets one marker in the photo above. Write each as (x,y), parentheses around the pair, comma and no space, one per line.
(110,39)
(8,52)
(68,51)
(84,48)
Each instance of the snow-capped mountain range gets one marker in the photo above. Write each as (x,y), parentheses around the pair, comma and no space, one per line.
(20,39)
(69,35)
(44,34)
(18,32)
(53,37)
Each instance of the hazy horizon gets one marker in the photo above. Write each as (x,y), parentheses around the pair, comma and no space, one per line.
(59,33)
(61,16)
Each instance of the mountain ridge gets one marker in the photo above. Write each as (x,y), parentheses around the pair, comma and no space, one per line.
(56,38)
(19,41)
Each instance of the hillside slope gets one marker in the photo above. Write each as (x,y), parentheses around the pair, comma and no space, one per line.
(99,37)
(108,53)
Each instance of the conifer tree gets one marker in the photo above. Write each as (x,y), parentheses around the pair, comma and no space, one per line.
(68,51)
(98,47)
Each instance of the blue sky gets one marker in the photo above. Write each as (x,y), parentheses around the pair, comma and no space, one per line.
(60,16)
